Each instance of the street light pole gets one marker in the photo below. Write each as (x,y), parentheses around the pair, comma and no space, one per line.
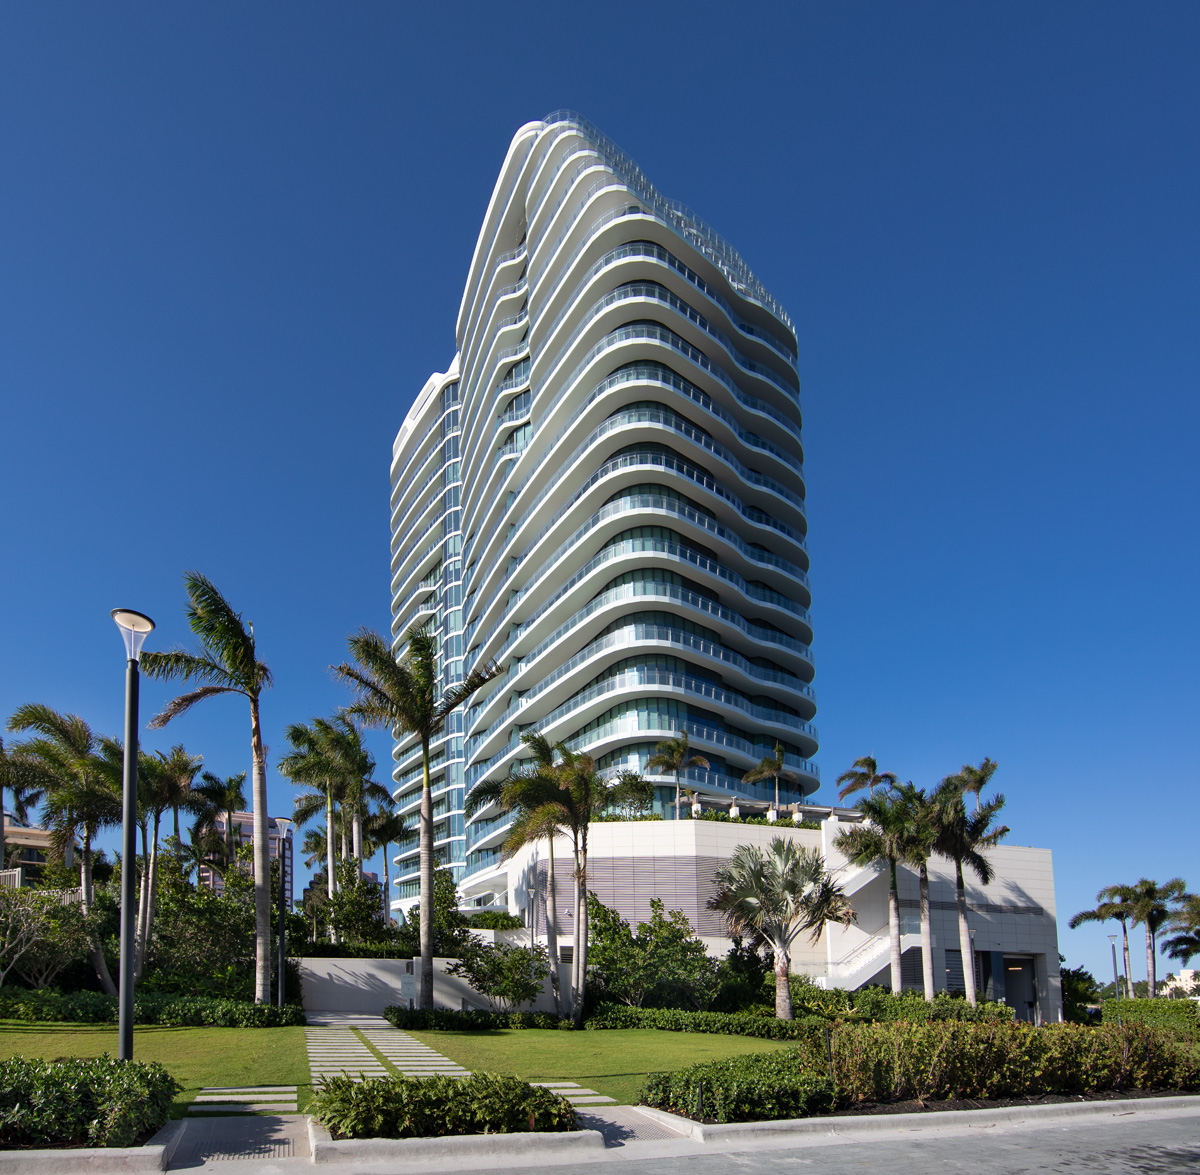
(134,629)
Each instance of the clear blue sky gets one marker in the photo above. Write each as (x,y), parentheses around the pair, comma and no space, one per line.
(232,246)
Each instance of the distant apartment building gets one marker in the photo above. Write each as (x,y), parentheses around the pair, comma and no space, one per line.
(27,848)
(279,830)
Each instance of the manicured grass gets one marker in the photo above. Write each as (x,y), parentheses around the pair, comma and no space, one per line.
(195,1057)
(614,1062)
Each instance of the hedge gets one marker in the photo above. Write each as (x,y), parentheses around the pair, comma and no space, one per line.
(97,1102)
(902,1061)
(355,950)
(723,1023)
(448,1020)
(94,1007)
(1182,1016)
(427,1107)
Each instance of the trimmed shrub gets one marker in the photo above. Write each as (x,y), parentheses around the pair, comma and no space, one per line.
(449,1020)
(722,1023)
(1181,1016)
(901,1061)
(97,1102)
(175,1011)
(754,1088)
(428,1107)
(877,1004)
(356,950)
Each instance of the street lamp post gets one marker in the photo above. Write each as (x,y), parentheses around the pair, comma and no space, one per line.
(134,629)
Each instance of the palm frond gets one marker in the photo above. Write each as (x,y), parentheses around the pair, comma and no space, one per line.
(185,702)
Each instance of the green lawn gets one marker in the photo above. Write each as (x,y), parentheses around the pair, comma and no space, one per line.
(195,1057)
(614,1062)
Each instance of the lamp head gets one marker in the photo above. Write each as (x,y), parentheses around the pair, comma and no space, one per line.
(135,627)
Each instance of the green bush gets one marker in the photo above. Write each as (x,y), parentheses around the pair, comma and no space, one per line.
(96,1102)
(494,920)
(427,1107)
(878,1004)
(357,950)
(945,1060)
(722,1023)
(94,1007)
(725,818)
(758,1087)
(448,1020)
(1181,1016)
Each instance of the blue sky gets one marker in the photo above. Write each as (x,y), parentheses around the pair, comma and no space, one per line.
(233,246)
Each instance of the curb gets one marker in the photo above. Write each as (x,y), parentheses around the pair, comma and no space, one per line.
(575,1143)
(154,1156)
(910,1123)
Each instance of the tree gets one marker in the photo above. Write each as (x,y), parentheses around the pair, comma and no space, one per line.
(975,779)
(227,664)
(1151,907)
(448,934)
(402,696)
(533,791)
(356,910)
(63,940)
(962,838)
(864,772)
(922,829)
(385,828)
(508,976)
(673,755)
(661,963)
(1185,922)
(25,781)
(632,795)
(1079,989)
(25,916)
(1112,904)
(771,767)
(223,796)
(80,798)
(779,894)
(885,837)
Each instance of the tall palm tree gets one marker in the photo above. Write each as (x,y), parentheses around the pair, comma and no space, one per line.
(864,772)
(401,695)
(779,894)
(1185,922)
(922,829)
(205,849)
(673,755)
(975,779)
(771,767)
(227,664)
(79,799)
(1112,904)
(223,796)
(534,791)
(884,838)
(1152,905)
(962,838)
(382,829)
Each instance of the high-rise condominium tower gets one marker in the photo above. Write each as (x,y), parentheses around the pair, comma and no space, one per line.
(605,494)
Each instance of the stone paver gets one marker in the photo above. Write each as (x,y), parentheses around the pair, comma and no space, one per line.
(575,1093)
(244,1099)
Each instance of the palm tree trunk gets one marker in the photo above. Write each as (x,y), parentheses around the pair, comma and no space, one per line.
(387,885)
(783,986)
(893,927)
(426,866)
(153,881)
(3,858)
(178,841)
(580,960)
(229,853)
(926,935)
(676,793)
(262,864)
(964,933)
(143,904)
(329,861)
(356,829)
(552,931)
(1151,970)
(95,953)
(1125,952)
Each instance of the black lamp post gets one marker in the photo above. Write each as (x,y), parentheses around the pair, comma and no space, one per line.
(134,629)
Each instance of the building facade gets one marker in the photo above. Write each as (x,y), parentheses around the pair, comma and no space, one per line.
(604,493)
(279,839)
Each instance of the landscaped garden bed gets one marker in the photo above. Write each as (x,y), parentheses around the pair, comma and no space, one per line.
(179,1011)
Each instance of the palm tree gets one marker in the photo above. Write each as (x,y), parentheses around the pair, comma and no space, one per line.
(402,696)
(1185,922)
(205,849)
(227,664)
(779,894)
(771,767)
(224,797)
(1112,904)
(922,832)
(385,828)
(962,838)
(975,779)
(1151,905)
(884,838)
(79,800)
(864,772)
(673,755)
(535,792)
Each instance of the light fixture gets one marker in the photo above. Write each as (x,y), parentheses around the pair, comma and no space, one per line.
(135,627)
